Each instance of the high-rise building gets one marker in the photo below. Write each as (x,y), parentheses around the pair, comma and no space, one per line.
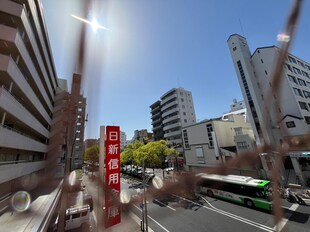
(174,110)
(143,136)
(254,72)
(28,83)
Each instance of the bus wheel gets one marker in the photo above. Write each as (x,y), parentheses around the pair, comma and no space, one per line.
(249,203)
(210,193)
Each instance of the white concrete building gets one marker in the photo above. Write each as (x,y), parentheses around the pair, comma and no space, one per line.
(174,110)
(212,142)
(254,72)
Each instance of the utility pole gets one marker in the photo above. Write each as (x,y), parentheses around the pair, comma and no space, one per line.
(144,200)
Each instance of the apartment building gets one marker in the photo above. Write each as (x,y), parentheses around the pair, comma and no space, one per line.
(143,136)
(174,110)
(28,84)
(212,142)
(287,119)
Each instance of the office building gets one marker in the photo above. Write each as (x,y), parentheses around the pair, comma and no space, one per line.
(174,110)
(285,120)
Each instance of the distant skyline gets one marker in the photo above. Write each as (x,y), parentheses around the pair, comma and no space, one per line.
(153,46)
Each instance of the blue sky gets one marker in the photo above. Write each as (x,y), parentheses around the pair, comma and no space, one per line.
(153,46)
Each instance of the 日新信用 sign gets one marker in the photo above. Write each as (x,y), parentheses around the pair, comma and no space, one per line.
(112,177)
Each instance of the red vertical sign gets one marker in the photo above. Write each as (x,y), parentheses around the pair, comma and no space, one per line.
(112,178)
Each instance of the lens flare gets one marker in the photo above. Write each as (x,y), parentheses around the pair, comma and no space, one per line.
(21,201)
(157,182)
(125,196)
(30,181)
(72,178)
(283,38)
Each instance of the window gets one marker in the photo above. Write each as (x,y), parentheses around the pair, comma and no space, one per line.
(199,151)
(185,120)
(288,67)
(300,64)
(292,60)
(186,144)
(181,93)
(302,82)
(242,145)
(266,72)
(234,48)
(76,215)
(297,92)
(261,60)
(306,94)
(290,124)
(307,118)
(182,99)
(292,79)
(296,70)
(303,106)
(210,130)
(308,83)
(308,67)
(184,113)
(305,74)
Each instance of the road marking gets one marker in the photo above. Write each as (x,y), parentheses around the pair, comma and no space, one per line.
(163,204)
(137,219)
(282,223)
(153,219)
(236,217)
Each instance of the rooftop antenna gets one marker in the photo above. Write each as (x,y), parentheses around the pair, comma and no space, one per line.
(241,27)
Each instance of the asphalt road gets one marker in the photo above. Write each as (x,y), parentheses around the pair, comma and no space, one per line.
(176,213)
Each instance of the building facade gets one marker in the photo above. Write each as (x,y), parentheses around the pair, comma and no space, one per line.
(289,114)
(123,141)
(212,142)
(174,110)
(143,136)
(28,84)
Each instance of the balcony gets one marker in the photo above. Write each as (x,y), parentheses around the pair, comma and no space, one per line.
(157,121)
(157,128)
(11,105)
(174,133)
(169,105)
(157,115)
(174,110)
(12,170)
(13,37)
(165,100)
(171,119)
(174,125)
(9,136)
(9,66)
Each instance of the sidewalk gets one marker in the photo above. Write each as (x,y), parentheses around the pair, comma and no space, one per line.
(128,221)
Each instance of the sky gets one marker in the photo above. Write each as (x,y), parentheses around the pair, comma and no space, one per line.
(154,46)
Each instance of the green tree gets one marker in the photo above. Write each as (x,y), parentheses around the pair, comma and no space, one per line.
(153,153)
(127,156)
(91,156)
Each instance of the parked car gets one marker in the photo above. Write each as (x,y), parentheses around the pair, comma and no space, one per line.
(77,217)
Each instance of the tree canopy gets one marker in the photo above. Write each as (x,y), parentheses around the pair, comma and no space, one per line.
(153,153)
(92,154)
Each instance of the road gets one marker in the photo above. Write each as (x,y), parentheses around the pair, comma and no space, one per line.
(173,213)
(176,213)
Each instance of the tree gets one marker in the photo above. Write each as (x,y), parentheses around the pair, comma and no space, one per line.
(154,153)
(127,156)
(91,155)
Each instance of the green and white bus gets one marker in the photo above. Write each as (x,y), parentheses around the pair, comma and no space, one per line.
(241,189)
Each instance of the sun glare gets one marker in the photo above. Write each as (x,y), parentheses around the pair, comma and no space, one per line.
(94,24)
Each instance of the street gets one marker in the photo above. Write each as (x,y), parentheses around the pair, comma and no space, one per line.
(172,212)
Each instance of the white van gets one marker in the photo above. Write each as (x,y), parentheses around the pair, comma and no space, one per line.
(77,217)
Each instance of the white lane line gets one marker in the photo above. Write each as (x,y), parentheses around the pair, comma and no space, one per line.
(282,223)
(234,215)
(163,204)
(137,219)
(238,218)
(153,219)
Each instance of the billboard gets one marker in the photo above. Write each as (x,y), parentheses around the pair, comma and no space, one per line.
(112,177)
